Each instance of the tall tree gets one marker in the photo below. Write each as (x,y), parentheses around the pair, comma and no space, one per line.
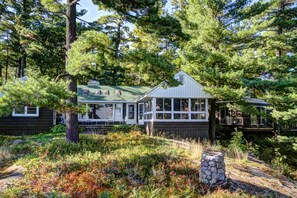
(132,9)
(215,51)
(115,26)
(277,83)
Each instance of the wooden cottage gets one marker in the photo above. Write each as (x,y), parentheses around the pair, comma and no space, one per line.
(181,111)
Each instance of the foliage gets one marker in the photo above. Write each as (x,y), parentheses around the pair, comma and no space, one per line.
(60,128)
(34,91)
(278,150)
(125,128)
(237,146)
(277,57)
(89,53)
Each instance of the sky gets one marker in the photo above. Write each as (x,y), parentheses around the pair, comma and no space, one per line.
(93,12)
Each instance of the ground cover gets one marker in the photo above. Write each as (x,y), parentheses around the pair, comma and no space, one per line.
(125,165)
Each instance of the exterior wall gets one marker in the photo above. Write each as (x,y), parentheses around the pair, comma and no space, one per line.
(188,89)
(196,130)
(27,125)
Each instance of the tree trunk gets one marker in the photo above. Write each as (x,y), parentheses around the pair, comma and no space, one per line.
(23,64)
(212,121)
(6,68)
(19,69)
(71,116)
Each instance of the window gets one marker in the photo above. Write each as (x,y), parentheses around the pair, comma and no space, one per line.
(159,104)
(26,112)
(163,104)
(198,104)
(159,116)
(165,116)
(177,116)
(185,104)
(176,104)
(131,112)
(196,116)
(100,111)
(261,117)
(141,111)
(181,104)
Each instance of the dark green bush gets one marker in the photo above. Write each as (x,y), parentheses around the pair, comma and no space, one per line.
(60,128)
(125,128)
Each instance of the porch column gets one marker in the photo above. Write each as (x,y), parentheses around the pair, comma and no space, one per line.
(86,115)
(154,108)
(206,108)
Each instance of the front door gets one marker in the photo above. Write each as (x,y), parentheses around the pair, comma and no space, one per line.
(140,113)
(131,114)
(118,112)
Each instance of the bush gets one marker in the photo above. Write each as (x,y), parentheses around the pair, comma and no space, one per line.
(237,141)
(60,128)
(125,128)
(237,146)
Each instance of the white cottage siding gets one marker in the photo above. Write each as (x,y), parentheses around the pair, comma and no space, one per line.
(189,89)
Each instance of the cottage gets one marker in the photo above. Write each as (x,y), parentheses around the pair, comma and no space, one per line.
(181,111)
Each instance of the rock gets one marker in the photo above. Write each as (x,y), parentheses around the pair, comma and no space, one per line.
(211,163)
(11,174)
(220,171)
(220,165)
(213,169)
(18,141)
(213,181)
(219,158)
(207,172)
(221,177)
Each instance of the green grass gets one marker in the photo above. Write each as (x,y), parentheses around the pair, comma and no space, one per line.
(113,165)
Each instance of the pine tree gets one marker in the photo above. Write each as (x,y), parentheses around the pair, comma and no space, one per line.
(277,83)
(215,53)
(132,9)
(115,26)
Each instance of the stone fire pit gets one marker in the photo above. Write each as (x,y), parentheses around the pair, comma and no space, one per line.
(212,169)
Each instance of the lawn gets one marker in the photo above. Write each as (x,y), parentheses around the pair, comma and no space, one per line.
(113,165)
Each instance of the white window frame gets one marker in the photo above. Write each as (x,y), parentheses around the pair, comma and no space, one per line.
(189,112)
(25,114)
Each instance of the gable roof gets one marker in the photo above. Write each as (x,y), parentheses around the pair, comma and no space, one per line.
(189,88)
(127,93)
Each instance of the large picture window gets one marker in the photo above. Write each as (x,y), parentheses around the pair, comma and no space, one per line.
(100,111)
(26,112)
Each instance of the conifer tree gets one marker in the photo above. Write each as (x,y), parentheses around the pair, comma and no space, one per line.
(215,51)
(277,83)
(115,26)
(132,9)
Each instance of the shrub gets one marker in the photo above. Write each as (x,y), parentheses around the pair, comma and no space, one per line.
(238,141)
(237,146)
(60,128)
(125,128)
